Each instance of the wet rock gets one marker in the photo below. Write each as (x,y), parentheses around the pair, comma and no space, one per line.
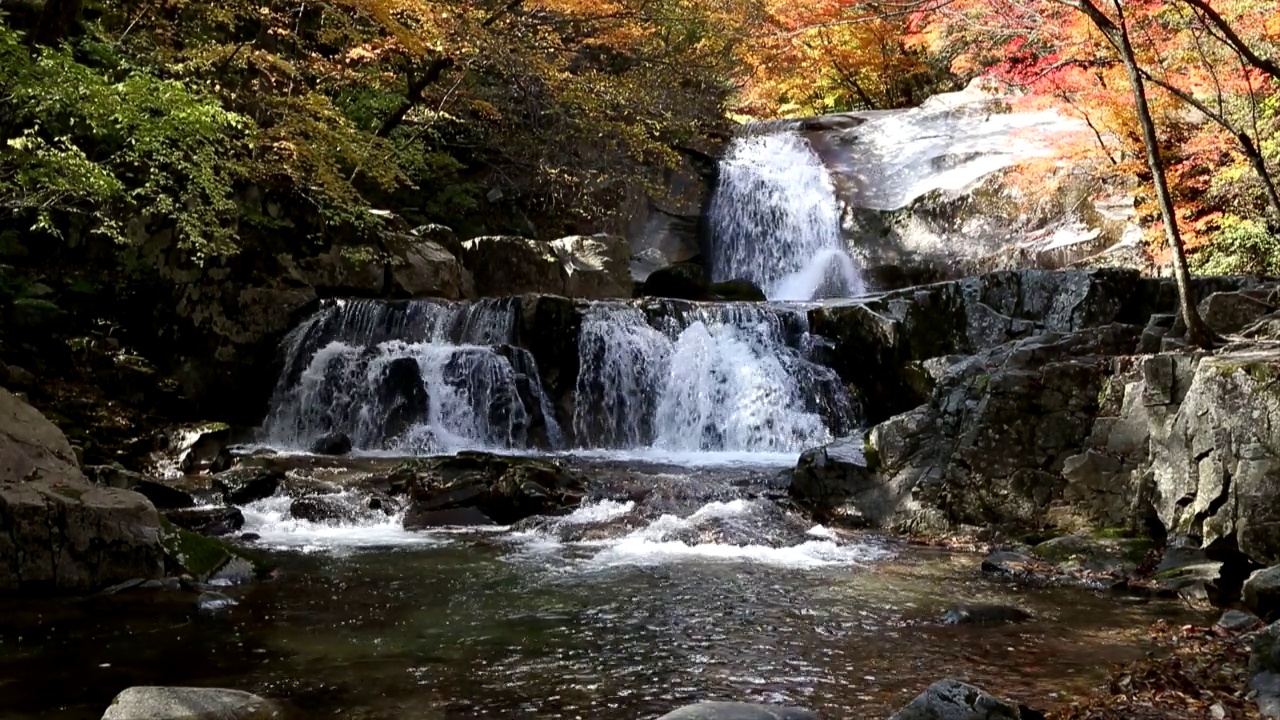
(506,489)
(163,496)
(736,291)
(329,509)
(236,571)
(418,519)
(211,521)
(403,394)
(1238,621)
(335,443)
(241,486)
(201,448)
(1262,593)
(682,281)
(199,557)
(1012,564)
(210,602)
(738,711)
(834,481)
(954,700)
(189,703)
(57,530)
(985,615)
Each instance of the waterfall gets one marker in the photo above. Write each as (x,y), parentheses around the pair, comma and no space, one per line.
(699,378)
(417,377)
(774,220)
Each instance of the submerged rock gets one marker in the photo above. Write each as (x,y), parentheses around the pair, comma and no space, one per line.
(954,700)
(738,711)
(189,703)
(985,615)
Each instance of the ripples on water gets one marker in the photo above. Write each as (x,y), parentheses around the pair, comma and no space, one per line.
(553,619)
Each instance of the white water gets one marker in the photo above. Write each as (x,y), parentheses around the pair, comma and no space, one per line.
(277,529)
(950,143)
(710,380)
(414,378)
(775,221)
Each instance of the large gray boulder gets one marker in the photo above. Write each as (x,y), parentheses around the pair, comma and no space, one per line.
(189,703)
(1262,593)
(989,446)
(421,267)
(1215,447)
(738,711)
(58,530)
(954,700)
(511,265)
(596,266)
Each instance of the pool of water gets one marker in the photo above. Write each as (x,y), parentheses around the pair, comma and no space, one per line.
(483,626)
(707,586)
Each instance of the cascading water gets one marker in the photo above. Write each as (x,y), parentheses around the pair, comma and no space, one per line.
(705,378)
(419,377)
(774,220)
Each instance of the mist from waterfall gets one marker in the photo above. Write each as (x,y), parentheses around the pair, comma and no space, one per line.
(774,220)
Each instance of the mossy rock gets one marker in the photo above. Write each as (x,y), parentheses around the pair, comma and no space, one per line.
(1099,549)
(200,556)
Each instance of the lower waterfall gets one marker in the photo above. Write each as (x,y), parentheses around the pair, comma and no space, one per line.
(426,377)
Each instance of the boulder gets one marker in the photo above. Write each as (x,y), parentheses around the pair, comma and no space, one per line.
(334,443)
(420,267)
(1227,313)
(989,446)
(243,485)
(201,448)
(510,265)
(954,700)
(504,489)
(736,291)
(347,271)
(596,266)
(418,519)
(1237,621)
(681,281)
(58,530)
(1262,593)
(441,235)
(189,703)
(163,496)
(207,521)
(1215,452)
(834,482)
(329,509)
(737,711)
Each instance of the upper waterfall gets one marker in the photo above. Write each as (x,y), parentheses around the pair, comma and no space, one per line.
(774,220)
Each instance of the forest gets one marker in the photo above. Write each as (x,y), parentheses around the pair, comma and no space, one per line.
(129,121)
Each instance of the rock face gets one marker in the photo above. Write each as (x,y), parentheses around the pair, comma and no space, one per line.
(1032,410)
(189,703)
(737,711)
(953,700)
(57,530)
(592,267)
(504,489)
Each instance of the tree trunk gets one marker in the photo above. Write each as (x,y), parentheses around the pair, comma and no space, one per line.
(1197,332)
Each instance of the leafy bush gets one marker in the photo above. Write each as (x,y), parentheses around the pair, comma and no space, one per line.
(1240,247)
